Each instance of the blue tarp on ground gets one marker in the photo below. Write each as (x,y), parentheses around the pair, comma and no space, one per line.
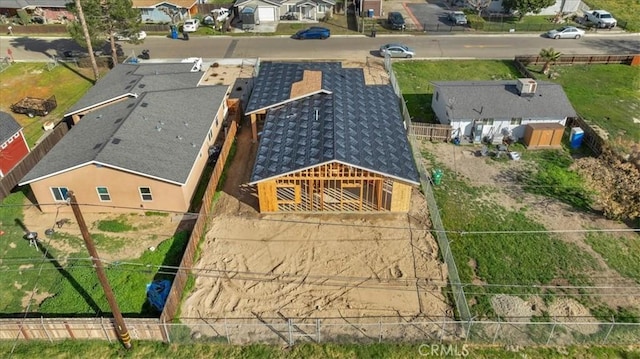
(157,292)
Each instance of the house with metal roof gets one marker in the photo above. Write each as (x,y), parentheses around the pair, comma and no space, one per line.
(480,111)
(141,144)
(328,142)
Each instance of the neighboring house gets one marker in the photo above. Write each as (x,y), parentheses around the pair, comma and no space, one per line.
(52,11)
(271,10)
(369,7)
(13,146)
(171,11)
(328,141)
(480,110)
(140,141)
(566,6)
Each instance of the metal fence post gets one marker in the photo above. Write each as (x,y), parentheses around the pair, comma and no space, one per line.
(226,331)
(166,331)
(318,330)
(551,334)
(380,330)
(613,323)
(468,329)
(45,329)
(104,330)
(444,322)
(495,336)
(290,332)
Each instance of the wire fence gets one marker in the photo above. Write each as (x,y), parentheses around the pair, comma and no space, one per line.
(459,297)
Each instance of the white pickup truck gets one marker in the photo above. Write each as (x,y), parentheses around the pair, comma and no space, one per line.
(600,18)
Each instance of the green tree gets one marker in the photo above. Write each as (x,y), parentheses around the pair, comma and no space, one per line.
(104,19)
(549,55)
(524,7)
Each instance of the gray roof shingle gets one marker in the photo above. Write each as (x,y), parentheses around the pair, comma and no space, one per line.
(500,99)
(134,79)
(356,124)
(8,126)
(21,4)
(125,135)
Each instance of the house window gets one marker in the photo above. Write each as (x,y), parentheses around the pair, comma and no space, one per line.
(103,194)
(487,121)
(60,194)
(516,121)
(291,8)
(146,12)
(322,8)
(145,193)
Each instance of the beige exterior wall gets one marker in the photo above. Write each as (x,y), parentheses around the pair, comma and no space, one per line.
(123,186)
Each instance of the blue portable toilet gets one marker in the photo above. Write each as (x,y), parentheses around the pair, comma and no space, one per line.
(174,31)
(575,139)
(370,13)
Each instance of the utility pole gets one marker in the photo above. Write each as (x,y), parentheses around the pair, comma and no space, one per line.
(121,328)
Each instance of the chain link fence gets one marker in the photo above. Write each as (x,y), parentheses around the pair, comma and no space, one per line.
(368,330)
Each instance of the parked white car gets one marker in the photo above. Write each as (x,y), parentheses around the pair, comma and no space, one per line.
(565,32)
(139,36)
(191,25)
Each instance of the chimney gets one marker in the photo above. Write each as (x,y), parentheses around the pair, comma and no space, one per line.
(526,87)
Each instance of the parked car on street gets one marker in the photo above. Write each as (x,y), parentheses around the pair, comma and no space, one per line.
(396,21)
(396,50)
(457,18)
(315,32)
(126,37)
(191,25)
(565,32)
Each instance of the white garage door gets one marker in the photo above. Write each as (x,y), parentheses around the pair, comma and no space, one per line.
(266,14)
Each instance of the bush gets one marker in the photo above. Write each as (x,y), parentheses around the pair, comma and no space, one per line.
(475,22)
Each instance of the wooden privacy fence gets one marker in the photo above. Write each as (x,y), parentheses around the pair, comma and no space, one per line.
(8,182)
(180,279)
(578,59)
(52,329)
(590,138)
(431,132)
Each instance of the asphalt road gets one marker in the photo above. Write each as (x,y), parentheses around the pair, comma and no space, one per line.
(351,47)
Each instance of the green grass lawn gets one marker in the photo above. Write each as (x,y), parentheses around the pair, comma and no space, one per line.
(623,10)
(536,23)
(196,350)
(605,95)
(68,84)
(525,259)
(415,79)
(621,253)
(70,276)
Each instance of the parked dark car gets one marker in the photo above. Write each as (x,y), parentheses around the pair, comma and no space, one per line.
(315,32)
(396,21)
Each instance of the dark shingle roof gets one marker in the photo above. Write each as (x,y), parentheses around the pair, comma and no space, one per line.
(135,79)
(500,99)
(273,84)
(8,126)
(355,124)
(125,135)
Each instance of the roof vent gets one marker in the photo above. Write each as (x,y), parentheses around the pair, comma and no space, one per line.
(115,141)
(158,128)
(179,137)
(527,87)
(144,104)
(142,86)
(193,145)
(186,124)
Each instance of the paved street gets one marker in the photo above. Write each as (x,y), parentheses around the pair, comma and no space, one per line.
(351,47)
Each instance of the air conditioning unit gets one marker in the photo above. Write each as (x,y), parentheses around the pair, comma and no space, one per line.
(527,87)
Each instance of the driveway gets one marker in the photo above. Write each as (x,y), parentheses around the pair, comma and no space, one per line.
(432,16)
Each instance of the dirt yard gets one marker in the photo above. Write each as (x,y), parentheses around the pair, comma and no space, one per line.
(312,266)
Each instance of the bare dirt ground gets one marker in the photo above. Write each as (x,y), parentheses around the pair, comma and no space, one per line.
(312,266)
(553,214)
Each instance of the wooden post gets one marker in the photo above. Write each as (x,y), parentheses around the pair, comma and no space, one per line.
(121,328)
(254,127)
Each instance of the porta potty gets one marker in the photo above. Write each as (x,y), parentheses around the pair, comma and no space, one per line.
(575,138)
(174,31)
